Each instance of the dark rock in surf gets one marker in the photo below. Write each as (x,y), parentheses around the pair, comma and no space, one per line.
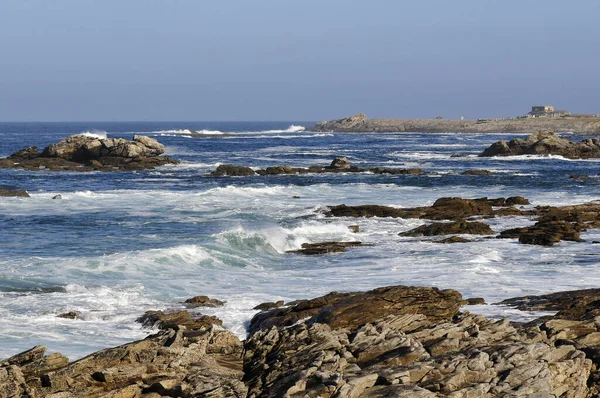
(324,247)
(476,172)
(452,239)
(230,170)
(172,319)
(545,142)
(474,301)
(269,305)
(450,228)
(203,301)
(340,163)
(544,233)
(70,315)
(6,191)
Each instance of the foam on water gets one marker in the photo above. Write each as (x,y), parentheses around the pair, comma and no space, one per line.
(94,134)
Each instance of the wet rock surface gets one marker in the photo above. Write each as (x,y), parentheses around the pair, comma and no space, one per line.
(203,301)
(338,165)
(324,247)
(85,153)
(451,228)
(12,192)
(545,142)
(396,341)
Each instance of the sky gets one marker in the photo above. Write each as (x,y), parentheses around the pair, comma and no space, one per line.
(194,60)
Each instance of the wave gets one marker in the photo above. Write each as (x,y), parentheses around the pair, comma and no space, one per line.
(292,129)
(100,134)
(187,132)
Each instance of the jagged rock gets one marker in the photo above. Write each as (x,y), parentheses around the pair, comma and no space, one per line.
(545,142)
(57,197)
(442,209)
(516,200)
(85,153)
(6,191)
(451,228)
(174,319)
(31,152)
(340,163)
(544,233)
(324,247)
(231,170)
(269,305)
(355,309)
(170,363)
(408,355)
(203,301)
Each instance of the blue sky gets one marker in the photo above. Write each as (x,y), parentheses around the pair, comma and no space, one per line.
(111,60)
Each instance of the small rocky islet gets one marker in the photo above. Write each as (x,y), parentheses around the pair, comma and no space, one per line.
(89,153)
(395,341)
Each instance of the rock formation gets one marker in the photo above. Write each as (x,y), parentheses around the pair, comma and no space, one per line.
(84,153)
(396,341)
(6,191)
(545,143)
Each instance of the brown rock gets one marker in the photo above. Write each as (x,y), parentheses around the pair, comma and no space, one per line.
(230,170)
(450,228)
(347,310)
(545,143)
(70,315)
(203,301)
(544,233)
(340,163)
(324,247)
(174,319)
(13,192)
(476,172)
(269,305)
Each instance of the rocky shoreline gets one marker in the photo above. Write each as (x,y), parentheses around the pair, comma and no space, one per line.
(361,124)
(395,341)
(87,153)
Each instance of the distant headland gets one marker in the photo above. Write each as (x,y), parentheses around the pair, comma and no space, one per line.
(539,118)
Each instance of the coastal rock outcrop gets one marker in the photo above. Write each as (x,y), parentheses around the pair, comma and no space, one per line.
(172,363)
(395,341)
(545,143)
(450,228)
(230,170)
(442,209)
(86,153)
(406,354)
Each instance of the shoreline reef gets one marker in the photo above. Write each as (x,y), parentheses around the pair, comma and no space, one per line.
(361,124)
(395,341)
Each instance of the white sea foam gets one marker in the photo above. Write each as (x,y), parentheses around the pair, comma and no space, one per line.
(100,134)
(292,129)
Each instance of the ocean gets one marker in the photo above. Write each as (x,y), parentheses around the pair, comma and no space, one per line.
(119,244)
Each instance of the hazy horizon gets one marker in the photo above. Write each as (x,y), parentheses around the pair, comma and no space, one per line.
(189,61)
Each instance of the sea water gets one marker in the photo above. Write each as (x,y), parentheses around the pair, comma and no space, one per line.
(119,244)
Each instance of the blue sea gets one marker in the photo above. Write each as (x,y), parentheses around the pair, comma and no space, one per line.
(119,244)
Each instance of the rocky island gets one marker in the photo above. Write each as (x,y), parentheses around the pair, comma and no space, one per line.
(360,123)
(87,153)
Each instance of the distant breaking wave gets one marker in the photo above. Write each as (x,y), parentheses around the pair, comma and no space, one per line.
(100,134)
(189,132)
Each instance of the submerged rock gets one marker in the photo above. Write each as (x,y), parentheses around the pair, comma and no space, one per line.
(545,142)
(85,153)
(476,172)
